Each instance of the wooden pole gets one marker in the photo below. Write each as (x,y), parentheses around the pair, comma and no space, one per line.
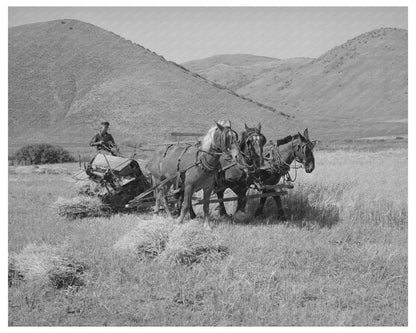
(252,196)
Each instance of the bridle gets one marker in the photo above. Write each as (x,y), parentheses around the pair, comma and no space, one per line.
(216,151)
(244,161)
(279,165)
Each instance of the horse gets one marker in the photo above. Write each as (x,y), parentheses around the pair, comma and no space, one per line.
(195,167)
(239,176)
(278,158)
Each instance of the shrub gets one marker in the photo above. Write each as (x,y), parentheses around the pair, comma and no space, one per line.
(42,153)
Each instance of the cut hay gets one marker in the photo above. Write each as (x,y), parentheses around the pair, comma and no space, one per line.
(51,170)
(82,206)
(147,240)
(46,264)
(191,243)
(88,188)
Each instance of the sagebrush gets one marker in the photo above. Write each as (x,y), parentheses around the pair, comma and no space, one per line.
(42,153)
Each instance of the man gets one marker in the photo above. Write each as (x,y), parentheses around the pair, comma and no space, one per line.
(103,140)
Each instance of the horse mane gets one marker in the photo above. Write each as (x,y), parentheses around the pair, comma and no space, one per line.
(286,139)
(244,136)
(208,138)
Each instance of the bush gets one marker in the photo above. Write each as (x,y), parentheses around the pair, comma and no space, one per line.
(42,154)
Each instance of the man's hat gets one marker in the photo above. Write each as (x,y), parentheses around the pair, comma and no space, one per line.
(105,123)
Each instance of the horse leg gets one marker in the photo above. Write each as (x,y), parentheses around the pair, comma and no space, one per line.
(156,195)
(221,207)
(207,197)
(165,203)
(187,200)
(280,211)
(259,210)
(192,214)
(242,199)
(178,205)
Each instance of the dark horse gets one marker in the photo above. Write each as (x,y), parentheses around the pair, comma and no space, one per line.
(278,158)
(239,176)
(195,165)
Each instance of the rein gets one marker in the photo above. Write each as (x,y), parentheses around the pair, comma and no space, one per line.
(201,159)
(243,162)
(282,167)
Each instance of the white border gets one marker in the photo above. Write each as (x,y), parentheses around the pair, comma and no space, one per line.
(103,3)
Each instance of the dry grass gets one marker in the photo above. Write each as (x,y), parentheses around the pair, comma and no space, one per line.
(341,258)
(46,264)
(186,244)
(191,243)
(147,240)
(88,188)
(81,206)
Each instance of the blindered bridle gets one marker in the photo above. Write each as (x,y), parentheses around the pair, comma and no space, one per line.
(276,156)
(216,150)
(255,136)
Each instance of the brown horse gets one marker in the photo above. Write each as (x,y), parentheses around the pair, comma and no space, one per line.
(278,158)
(195,165)
(243,173)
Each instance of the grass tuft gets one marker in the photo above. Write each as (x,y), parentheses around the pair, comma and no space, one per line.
(46,264)
(191,243)
(81,206)
(147,240)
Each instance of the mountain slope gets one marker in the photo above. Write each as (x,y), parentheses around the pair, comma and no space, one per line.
(357,89)
(235,71)
(66,76)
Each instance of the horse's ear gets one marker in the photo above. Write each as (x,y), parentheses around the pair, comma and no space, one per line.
(301,137)
(220,126)
(246,127)
(259,127)
(306,134)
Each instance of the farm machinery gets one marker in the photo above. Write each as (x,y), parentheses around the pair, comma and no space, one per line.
(121,184)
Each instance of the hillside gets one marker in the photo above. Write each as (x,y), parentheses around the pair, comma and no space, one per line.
(66,76)
(358,89)
(235,71)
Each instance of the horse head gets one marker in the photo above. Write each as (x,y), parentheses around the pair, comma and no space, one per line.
(225,140)
(251,145)
(303,151)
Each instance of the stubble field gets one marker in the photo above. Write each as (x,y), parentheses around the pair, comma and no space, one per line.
(340,259)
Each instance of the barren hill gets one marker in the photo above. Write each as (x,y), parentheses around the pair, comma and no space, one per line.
(235,71)
(66,75)
(358,89)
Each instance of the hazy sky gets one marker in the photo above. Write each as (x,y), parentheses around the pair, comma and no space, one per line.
(186,33)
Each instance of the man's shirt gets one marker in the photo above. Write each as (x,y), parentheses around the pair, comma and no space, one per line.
(106,138)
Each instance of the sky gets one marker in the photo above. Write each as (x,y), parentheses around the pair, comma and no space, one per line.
(182,34)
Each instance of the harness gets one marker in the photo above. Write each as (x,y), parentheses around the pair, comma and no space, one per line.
(200,160)
(281,167)
(243,162)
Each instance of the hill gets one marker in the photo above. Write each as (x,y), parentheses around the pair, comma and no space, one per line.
(357,89)
(65,76)
(235,71)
